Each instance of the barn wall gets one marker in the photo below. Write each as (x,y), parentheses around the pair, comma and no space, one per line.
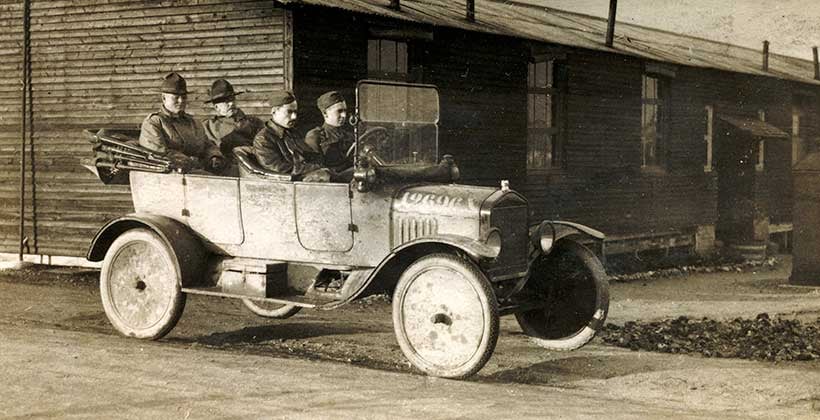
(602,183)
(99,64)
(482,82)
(333,58)
(11,64)
(480,79)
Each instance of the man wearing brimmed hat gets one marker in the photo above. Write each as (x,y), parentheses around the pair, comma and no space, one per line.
(331,139)
(230,127)
(172,133)
(278,150)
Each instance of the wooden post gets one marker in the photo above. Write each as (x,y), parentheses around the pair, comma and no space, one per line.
(25,91)
(765,55)
(610,26)
(395,4)
(816,64)
(471,10)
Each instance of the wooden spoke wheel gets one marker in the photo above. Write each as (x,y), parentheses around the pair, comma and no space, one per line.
(572,291)
(271,309)
(445,315)
(140,285)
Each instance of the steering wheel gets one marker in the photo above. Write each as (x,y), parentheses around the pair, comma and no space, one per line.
(370,138)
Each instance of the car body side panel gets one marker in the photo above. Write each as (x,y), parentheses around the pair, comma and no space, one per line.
(162,194)
(371,218)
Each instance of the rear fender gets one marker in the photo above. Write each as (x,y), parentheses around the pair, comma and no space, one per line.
(545,235)
(188,249)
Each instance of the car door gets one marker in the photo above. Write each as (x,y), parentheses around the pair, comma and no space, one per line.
(323,216)
(212,208)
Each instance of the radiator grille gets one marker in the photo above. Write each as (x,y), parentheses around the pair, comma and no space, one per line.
(512,222)
(410,228)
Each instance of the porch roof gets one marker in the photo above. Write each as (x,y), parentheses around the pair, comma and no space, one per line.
(754,126)
(528,19)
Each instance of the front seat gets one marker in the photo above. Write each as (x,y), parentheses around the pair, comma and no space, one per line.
(249,166)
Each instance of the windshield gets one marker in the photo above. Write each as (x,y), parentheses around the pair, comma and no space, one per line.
(398,123)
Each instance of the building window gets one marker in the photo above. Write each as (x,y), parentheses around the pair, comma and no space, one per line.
(805,125)
(653,120)
(797,141)
(387,59)
(544,148)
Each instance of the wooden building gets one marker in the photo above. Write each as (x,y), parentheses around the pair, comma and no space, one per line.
(660,140)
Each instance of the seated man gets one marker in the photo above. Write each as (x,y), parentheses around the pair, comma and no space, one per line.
(331,139)
(230,127)
(176,135)
(278,150)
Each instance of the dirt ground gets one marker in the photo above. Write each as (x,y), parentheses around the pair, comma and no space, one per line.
(361,335)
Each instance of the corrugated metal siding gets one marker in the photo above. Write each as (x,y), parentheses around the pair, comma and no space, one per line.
(99,63)
(11,64)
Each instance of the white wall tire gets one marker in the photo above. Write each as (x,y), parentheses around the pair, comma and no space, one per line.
(140,285)
(445,316)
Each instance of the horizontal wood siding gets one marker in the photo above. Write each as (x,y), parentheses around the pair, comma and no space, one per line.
(330,53)
(11,65)
(602,183)
(100,63)
(482,81)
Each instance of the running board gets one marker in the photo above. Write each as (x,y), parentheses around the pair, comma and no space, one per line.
(296,300)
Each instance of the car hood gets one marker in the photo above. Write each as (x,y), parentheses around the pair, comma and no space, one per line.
(450,200)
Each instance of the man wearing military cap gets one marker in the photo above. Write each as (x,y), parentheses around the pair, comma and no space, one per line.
(230,127)
(331,139)
(277,149)
(172,133)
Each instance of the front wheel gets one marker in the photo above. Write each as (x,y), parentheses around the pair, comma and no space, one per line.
(445,315)
(140,285)
(570,288)
(271,310)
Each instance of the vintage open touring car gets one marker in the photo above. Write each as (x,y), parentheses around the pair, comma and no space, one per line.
(453,257)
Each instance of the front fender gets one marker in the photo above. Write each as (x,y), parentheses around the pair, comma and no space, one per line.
(546,234)
(475,249)
(384,277)
(188,249)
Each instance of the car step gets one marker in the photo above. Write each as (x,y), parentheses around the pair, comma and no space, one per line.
(297,300)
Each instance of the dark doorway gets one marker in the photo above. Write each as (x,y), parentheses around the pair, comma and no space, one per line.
(735,160)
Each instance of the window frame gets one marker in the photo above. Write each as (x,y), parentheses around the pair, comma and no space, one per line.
(551,130)
(400,70)
(660,100)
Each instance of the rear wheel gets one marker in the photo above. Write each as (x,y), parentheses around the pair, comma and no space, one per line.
(140,285)
(271,309)
(570,287)
(445,315)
